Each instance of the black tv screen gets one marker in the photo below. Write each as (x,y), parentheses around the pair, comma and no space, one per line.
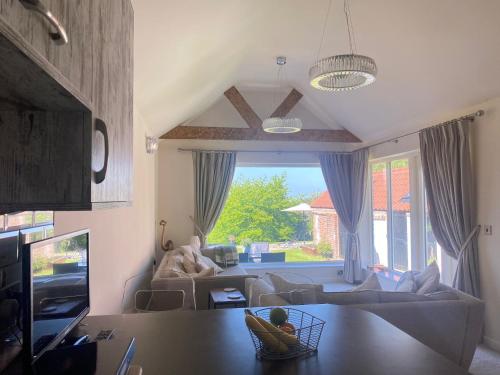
(55,288)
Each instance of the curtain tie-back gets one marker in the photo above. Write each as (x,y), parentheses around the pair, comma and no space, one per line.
(353,245)
(468,240)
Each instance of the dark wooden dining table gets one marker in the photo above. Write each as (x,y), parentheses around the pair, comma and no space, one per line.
(218,342)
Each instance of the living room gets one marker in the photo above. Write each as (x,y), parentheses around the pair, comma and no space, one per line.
(330,160)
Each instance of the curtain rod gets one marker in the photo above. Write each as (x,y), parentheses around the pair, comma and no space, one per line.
(470,116)
(265,151)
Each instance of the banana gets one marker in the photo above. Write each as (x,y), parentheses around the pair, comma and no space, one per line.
(278,333)
(269,340)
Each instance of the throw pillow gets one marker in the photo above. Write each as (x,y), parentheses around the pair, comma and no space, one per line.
(195,244)
(407,283)
(205,262)
(189,265)
(371,283)
(205,273)
(428,280)
(281,285)
(188,252)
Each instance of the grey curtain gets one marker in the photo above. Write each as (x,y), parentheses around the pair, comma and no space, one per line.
(345,176)
(447,168)
(213,174)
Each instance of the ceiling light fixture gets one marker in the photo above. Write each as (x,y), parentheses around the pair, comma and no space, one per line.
(342,72)
(280,124)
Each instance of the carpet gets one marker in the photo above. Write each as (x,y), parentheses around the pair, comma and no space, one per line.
(486,362)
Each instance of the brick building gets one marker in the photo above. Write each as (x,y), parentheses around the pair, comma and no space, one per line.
(326,225)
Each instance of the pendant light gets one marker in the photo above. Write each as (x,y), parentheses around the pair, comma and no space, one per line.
(280,124)
(342,72)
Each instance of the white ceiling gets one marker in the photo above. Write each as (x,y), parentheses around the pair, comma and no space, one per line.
(434,57)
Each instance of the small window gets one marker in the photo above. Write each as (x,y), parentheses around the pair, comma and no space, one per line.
(44,217)
(20,220)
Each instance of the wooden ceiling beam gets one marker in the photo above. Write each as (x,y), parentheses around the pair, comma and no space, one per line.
(238,101)
(246,134)
(286,106)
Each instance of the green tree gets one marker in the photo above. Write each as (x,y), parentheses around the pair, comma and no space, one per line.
(253,211)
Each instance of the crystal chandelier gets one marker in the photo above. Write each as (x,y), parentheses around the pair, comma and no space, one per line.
(280,124)
(342,72)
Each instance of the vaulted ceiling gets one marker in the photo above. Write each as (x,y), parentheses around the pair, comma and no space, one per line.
(434,58)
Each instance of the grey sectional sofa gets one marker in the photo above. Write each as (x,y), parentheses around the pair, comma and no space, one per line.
(448,321)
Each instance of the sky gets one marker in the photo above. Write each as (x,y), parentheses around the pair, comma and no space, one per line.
(300,180)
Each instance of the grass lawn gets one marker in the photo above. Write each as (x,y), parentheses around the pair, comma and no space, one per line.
(297,255)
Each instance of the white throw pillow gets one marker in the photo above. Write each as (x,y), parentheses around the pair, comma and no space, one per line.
(407,283)
(189,266)
(371,283)
(209,272)
(195,244)
(188,252)
(205,262)
(428,280)
(281,285)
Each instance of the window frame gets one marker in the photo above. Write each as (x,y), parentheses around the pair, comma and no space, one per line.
(306,160)
(417,215)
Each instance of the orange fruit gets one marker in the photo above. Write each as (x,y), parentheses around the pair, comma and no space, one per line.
(287,327)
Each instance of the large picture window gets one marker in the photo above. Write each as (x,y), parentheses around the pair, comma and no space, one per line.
(280,214)
(392,213)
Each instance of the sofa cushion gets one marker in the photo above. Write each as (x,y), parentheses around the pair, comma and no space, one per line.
(407,283)
(349,298)
(188,252)
(204,262)
(189,265)
(443,295)
(371,283)
(255,289)
(174,263)
(388,297)
(281,285)
(233,271)
(204,273)
(428,280)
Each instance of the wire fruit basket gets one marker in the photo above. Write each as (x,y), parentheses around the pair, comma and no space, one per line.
(308,331)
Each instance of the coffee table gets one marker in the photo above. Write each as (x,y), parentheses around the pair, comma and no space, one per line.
(220,298)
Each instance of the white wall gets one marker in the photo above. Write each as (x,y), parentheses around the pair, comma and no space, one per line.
(122,240)
(487,156)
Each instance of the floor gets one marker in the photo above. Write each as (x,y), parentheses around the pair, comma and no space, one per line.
(485,362)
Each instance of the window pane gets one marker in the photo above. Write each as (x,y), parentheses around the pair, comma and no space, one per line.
(401,208)
(44,217)
(20,220)
(379,214)
(284,211)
